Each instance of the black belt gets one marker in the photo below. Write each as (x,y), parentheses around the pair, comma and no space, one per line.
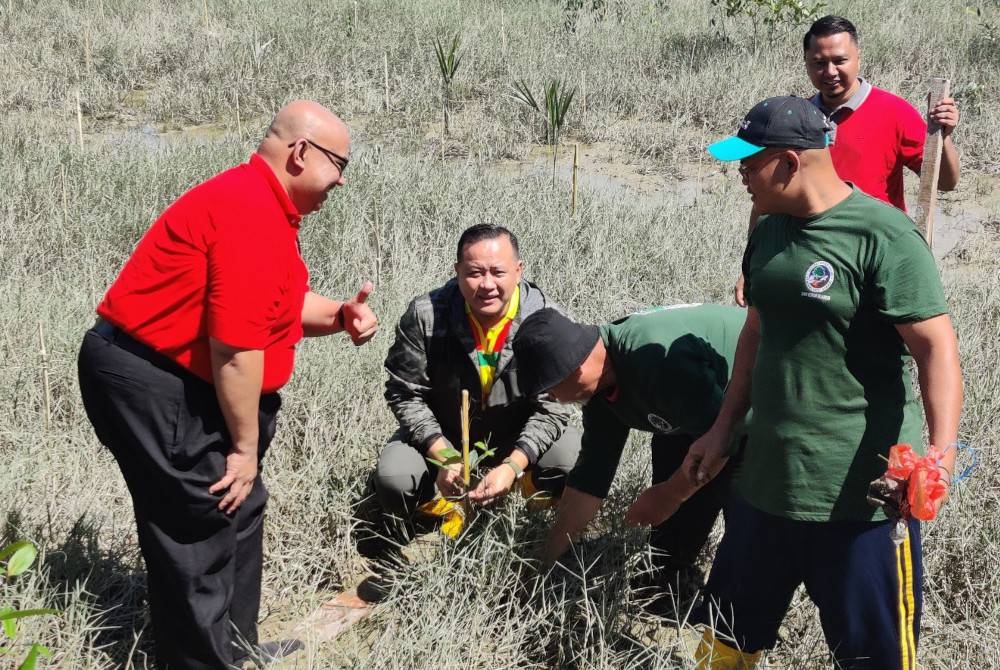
(270,401)
(108,331)
(123,340)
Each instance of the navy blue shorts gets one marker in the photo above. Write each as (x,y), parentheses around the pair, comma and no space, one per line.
(867,589)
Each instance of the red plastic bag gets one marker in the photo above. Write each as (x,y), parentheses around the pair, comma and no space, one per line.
(922,477)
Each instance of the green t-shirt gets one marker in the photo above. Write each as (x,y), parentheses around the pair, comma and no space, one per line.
(831,389)
(671,367)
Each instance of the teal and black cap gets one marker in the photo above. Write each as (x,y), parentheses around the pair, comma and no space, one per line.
(786,121)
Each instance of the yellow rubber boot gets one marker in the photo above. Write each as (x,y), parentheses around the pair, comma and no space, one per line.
(713,654)
(451,514)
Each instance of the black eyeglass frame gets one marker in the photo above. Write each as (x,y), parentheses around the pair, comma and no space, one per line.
(339,161)
(746,172)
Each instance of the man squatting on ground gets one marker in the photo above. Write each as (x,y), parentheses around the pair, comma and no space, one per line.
(180,378)
(663,372)
(876,134)
(842,291)
(459,336)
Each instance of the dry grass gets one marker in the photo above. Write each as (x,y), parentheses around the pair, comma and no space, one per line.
(658,84)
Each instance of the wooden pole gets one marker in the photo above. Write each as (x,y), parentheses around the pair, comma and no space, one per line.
(503,34)
(239,121)
(466,474)
(65,197)
(576,161)
(46,388)
(931,168)
(385,66)
(87,61)
(79,119)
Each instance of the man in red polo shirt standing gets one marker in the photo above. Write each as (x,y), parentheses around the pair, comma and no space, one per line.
(876,133)
(180,377)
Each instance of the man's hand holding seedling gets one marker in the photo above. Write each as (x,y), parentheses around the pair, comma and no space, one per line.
(498,481)
(449,477)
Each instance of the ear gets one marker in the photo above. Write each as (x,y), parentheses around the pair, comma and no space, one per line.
(793,161)
(297,155)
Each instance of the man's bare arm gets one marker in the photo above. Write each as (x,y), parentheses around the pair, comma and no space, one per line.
(576,510)
(238,375)
(935,349)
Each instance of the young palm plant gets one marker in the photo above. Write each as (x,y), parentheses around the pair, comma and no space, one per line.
(557,101)
(448,65)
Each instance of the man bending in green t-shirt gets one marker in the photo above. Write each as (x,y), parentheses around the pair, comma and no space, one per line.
(842,292)
(662,371)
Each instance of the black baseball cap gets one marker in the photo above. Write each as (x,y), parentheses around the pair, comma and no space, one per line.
(548,348)
(786,121)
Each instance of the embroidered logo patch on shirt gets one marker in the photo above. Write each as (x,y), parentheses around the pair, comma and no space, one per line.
(819,277)
(659,423)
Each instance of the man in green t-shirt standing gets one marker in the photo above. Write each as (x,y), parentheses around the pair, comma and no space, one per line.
(662,371)
(842,292)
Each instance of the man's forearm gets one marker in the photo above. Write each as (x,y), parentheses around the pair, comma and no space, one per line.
(934,347)
(321,316)
(950,166)
(416,420)
(576,509)
(940,382)
(238,375)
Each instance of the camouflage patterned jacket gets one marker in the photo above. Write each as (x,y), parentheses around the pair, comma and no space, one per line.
(434,358)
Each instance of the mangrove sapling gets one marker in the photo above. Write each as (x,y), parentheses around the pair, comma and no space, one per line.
(451,456)
(448,65)
(557,102)
(16,558)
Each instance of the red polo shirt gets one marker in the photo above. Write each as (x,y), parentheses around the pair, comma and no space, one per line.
(222,261)
(876,141)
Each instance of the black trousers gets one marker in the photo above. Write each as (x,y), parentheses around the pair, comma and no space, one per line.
(681,538)
(165,428)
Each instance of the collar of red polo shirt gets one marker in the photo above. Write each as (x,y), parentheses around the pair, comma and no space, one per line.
(280,193)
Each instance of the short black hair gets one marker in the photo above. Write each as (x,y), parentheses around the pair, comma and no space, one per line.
(484,231)
(829,25)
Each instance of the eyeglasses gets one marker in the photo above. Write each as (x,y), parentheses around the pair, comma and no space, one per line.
(339,161)
(746,170)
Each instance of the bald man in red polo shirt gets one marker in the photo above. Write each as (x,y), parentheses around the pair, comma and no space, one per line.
(181,372)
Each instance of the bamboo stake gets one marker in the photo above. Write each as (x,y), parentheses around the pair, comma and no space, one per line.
(87,62)
(45,378)
(466,474)
(576,161)
(931,167)
(385,65)
(355,16)
(79,119)
(65,199)
(204,7)
(239,122)
(503,34)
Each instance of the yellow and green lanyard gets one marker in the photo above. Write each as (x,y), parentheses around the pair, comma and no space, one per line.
(490,343)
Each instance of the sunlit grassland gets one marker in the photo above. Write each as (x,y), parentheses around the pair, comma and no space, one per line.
(656,83)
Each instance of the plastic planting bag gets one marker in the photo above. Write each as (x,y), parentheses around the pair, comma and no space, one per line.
(921,478)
